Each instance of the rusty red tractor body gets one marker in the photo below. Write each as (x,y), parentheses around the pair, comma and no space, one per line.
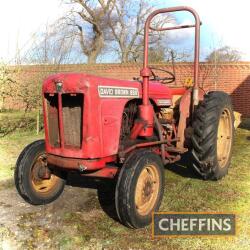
(127,130)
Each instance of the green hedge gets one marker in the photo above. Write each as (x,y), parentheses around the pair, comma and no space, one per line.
(12,121)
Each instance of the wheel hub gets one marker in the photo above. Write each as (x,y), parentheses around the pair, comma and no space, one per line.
(42,179)
(224,138)
(147,189)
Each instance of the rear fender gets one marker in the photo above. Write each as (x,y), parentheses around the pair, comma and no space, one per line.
(185,113)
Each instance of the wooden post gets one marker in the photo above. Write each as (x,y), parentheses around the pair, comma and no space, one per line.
(38,122)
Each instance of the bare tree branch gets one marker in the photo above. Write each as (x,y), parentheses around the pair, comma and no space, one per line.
(89,23)
(127,26)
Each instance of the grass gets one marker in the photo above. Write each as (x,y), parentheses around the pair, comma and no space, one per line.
(12,144)
(15,115)
(94,229)
(10,148)
(18,121)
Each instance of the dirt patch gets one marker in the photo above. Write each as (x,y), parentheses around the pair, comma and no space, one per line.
(24,221)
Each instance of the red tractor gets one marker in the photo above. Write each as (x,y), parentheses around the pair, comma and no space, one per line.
(127,130)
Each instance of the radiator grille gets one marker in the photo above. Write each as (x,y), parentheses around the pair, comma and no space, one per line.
(53,119)
(72,105)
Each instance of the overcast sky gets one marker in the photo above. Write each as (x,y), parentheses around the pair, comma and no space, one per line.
(225,22)
(19,19)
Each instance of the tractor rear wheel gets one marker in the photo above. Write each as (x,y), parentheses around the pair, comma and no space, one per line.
(139,189)
(213,134)
(29,176)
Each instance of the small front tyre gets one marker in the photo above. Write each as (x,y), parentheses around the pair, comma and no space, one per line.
(29,176)
(139,189)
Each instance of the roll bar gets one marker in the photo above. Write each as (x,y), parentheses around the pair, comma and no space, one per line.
(146,72)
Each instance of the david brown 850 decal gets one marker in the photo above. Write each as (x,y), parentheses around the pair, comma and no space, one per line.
(117,92)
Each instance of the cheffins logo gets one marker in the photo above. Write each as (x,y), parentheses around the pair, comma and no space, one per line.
(192,224)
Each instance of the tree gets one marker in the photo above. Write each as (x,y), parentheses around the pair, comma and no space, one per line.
(7,84)
(17,88)
(100,25)
(224,54)
(215,59)
(89,22)
(54,45)
(127,30)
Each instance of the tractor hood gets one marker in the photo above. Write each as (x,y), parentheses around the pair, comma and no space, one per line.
(106,87)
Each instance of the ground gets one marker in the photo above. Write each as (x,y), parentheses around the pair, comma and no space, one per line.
(84,218)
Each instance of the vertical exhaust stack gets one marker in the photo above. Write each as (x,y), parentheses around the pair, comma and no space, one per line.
(146,109)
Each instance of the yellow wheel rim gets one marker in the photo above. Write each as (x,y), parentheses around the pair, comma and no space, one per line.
(224,138)
(39,184)
(147,189)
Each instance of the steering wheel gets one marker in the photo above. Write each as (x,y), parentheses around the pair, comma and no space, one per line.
(164,80)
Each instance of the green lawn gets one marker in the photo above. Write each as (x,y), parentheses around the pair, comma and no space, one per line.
(10,148)
(12,144)
(94,229)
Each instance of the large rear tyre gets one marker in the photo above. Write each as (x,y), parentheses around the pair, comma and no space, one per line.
(29,171)
(139,189)
(213,135)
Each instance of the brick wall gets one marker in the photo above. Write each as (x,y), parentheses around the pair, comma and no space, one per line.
(233,78)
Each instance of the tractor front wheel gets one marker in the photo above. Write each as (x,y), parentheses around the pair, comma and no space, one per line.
(139,189)
(35,182)
(213,134)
